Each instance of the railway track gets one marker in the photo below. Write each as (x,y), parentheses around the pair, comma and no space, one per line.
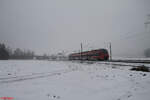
(121,61)
(131,61)
(33,76)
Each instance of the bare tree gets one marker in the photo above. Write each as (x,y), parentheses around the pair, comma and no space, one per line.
(147,52)
(4,55)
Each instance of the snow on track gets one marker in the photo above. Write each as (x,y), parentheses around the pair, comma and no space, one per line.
(57,80)
(34,76)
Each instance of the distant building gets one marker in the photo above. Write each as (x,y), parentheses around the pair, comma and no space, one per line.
(41,57)
(59,56)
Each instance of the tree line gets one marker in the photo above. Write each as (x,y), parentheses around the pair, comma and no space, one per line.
(4,55)
(8,53)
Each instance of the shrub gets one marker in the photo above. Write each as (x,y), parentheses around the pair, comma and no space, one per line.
(141,68)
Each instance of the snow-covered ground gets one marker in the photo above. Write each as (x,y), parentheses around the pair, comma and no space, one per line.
(58,80)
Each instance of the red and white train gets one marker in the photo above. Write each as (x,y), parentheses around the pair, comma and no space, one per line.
(99,54)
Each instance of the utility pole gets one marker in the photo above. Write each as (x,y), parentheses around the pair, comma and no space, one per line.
(81,51)
(147,23)
(110,51)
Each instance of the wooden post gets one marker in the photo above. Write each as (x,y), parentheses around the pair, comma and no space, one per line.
(81,51)
(110,51)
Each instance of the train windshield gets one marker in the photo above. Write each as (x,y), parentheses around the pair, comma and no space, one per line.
(105,51)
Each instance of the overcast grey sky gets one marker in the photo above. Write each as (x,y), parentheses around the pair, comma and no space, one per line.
(50,26)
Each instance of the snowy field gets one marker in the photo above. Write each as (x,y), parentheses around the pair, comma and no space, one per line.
(58,80)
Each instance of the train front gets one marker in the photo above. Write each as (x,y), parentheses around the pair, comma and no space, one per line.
(103,54)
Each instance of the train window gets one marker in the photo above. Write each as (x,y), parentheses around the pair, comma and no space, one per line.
(104,51)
